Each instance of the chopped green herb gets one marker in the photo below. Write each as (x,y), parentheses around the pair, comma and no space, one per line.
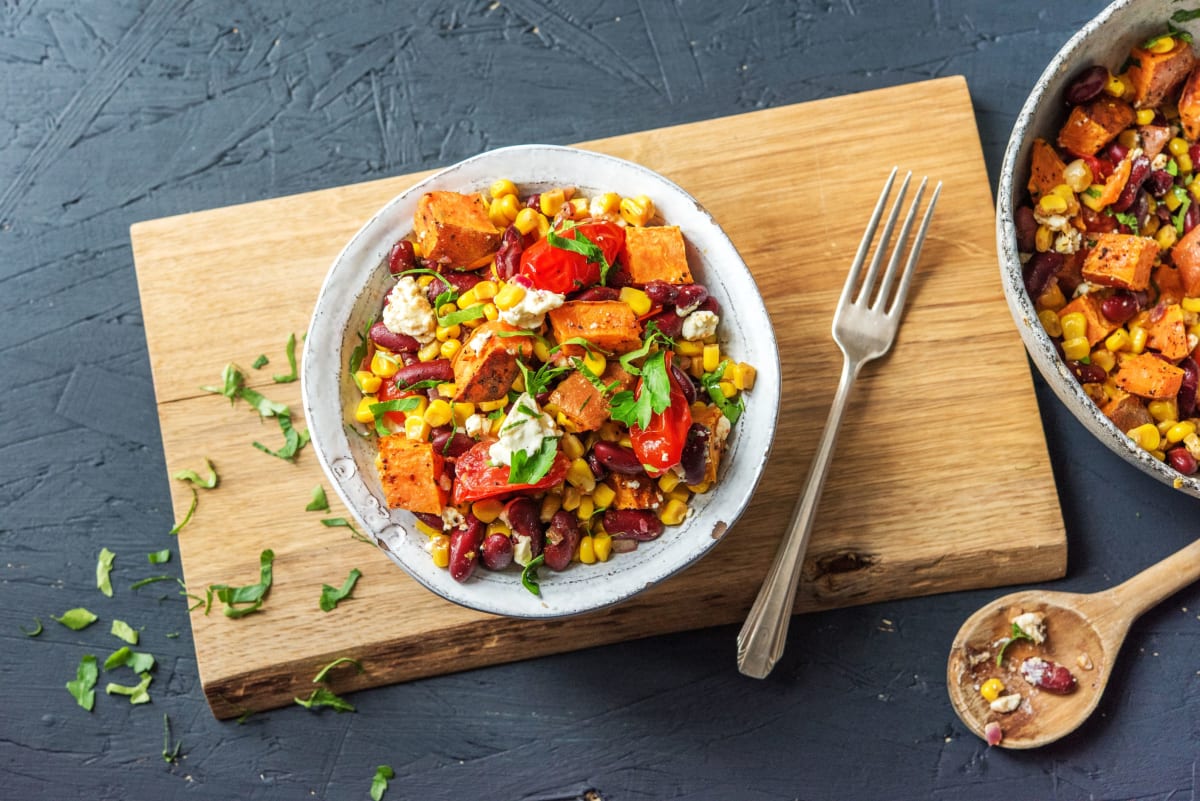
(652,395)
(76,619)
(138,693)
(529,574)
(360,350)
(159,557)
(732,409)
(379,783)
(1172,170)
(583,246)
(319,502)
(194,477)
(83,688)
(428,383)
(1092,191)
(1017,633)
(117,658)
(322,697)
(593,379)
(341,522)
(461,316)
(242,601)
(242,718)
(293,440)
(331,595)
(172,635)
(137,585)
(290,351)
(580,341)
(139,662)
(378,410)
(1126,218)
(527,469)
(35,631)
(169,754)
(1181,213)
(191,509)
(341,660)
(124,631)
(1185,15)
(261,362)
(231,383)
(538,381)
(649,339)
(104,565)
(262,405)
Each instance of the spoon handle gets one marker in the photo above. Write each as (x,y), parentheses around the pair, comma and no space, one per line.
(1158,582)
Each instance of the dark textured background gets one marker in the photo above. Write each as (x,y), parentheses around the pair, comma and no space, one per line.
(121,110)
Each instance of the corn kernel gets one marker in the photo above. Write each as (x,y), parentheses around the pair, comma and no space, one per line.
(429,352)
(637,210)
(1102,357)
(1166,236)
(492,405)
(1164,44)
(550,505)
(1052,203)
(1050,322)
(438,413)
(602,546)
(1114,86)
(579,475)
(416,428)
(449,348)
(384,365)
(586,507)
(636,299)
(1151,226)
(1162,410)
(363,412)
(587,551)
(1190,304)
(467,299)
(461,411)
(1192,443)
(1076,348)
(1145,116)
(686,348)
(1180,431)
(496,214)
(1159,455)
(439,549)
(729,390)
(1164,427)
(541,349)
(571,498)
(1118,340)
(579,207)
(604,205)
(712,358)
(526,220)
(991,689)
(501,188)
(427,530)
(1137,338)
(550,202)
(680,494)
(509,296)
(668,481)
(1184,163)
(487,510)
(445,332)
(447,389)
(1043,240)
(595,362)
(603,496)
(1128,138)
(1177,146)
(447,308)
(1078,175)
(368,383)
(424,280)
(744,376)
(572,446)
(673,512)
(1145,436)
(1073,325)
(499,527)
(543,226)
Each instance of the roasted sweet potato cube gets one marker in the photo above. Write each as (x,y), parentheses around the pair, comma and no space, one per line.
(454,229)
(412,475)
(634,492)
(486,365)
(1153,138)
(1186,257)
(1098,326)
(1095,124)
(1148,376)
(609,325)
(1154,75)
(585,406)
(1045,170)
(1169,283)
(718,427)
(1121,260)
(1165,332)
(1126,411)
(656,253)
(1189,105)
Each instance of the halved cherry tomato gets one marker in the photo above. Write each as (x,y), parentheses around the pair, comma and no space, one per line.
(556,270)
(387,391)
(659,445)
(475,479)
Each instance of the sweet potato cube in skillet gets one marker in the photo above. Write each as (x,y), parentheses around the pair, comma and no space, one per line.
(1165,332)
(1126,411)
(486,365)
(1045,169)
(1121,260)
(411,474)
(1098,326)
(1093,125)
(1186,256)
(656,253)
(454,229)
(1148,376)
(1154,75)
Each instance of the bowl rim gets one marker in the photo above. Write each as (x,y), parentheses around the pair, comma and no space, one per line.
(1038,343)
(765,404)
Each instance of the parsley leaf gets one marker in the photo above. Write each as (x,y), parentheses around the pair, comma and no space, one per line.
(323,697)
(396,405)
(293,440)
(241,601)
(652,336)
(231,383)
(33,632)
(1185,15)
(319,502)
(538,381)
(169,754)
(530,469)
(341,660)
(379,783)
(1178,217)
(461,316)
(1017,634)
(594,379)
(159,557)
(711,383)
(191,509)
(194,477)
(583,246)
(76,619)
(1125,218)
(1172,170)
(137,694)
(359,354)
(290,350)
(331,595)
(341,522)
(652,396)
(83,688)
(104,565)
(529,574)
(124,631)
(261,362)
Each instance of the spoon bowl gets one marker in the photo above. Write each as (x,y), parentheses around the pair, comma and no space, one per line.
(1084,633)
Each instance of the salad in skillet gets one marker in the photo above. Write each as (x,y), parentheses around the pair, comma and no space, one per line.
(544,379)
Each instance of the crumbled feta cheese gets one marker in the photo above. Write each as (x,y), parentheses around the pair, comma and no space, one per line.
(1055,222)
(478,340)
(522,549)
(407,311)
(451,518)
(477,425)
(1068,241)
(1159,162)
(1006,703)
(531,311)
(522,430)
(1032,625)
(699,324)
(1085,287)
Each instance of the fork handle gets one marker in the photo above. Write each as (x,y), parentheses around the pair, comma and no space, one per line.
(763,635)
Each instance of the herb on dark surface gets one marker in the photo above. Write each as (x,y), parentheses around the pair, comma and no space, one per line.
(83,687)
(33,632)
(322,697)
(159,557)
(379,783)
(169,754)
(123,631)
(76,619)
(137,585)
(138,693)
(319,502)
(124,656)
(331,595)
(104,565)
(187,517)
(529,574)
(290,351)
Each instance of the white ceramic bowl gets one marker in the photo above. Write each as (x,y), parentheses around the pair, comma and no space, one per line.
(1105,40)
(353,293)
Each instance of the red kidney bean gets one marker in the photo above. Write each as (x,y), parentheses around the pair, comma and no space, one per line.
(1186,399)
(599,293)
(562,538)
(1116,152)
(450,444)
(1119,306)
(1087,373)
(496,553)
(1039,270)
(1026,227)
(661,293)
(429,519)
(464,548)
(694,458)
(1138,174)
(1086,86)
(524,518)
(619,276)
(690,295)
(508,257)
(1182,460)
(598,470)
(1049,676)
(617,459)
(668,322)
(1160,182)
(401,257)
(685,383)
(398,343)
(632,524)
(534,201)
(459,280)
(436,370)
(1191,218)
(709,304)
(1194,152)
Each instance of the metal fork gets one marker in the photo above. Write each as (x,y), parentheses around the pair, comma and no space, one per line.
(864,327)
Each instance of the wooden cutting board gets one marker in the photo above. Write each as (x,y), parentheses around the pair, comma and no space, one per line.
(942,481)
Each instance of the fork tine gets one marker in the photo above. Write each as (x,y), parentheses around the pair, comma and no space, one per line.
(861,255)
(914,254)
(868,285)
(881,301)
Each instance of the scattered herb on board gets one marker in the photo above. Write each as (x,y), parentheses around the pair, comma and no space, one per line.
(123,631)
(191,510)
(319,502)
(341,660)
(104,566)
(196,479)
(159,557)
(242,601)
(293,440)
(1017,633)
(33,632)
(341,522)
(711,382)
(331,595)
(261,362)
(170,755)
(529,575)
(290,351)
(233,387)
(379,783)
(83,687)
(76,619)
(138,693)
(322,697)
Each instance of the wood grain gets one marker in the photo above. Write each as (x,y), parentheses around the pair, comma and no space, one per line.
(942,481)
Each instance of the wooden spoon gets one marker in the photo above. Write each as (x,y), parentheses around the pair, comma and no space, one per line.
(1083,633)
